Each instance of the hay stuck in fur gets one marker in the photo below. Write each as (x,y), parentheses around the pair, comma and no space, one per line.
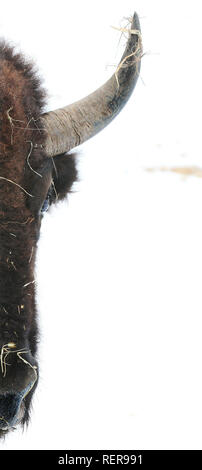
(137,54)
(8,349)
(16,184)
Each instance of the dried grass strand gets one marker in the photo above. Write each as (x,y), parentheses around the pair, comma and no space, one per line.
(5,351)
(30,167)
(28,283)
(11,122)
(16,184)
(9,349)
(133,54)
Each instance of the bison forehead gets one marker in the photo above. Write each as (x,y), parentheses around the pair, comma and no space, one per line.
(21,131)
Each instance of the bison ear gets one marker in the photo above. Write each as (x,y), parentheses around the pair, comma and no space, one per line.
(64,174)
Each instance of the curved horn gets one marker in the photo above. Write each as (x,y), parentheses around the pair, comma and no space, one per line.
(72,125)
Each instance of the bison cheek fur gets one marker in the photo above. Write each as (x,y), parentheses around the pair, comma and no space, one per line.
(18,313)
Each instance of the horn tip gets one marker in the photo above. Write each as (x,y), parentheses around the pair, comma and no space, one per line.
(135,22)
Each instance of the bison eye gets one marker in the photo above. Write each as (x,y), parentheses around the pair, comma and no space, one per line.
(46,205)
(48,200)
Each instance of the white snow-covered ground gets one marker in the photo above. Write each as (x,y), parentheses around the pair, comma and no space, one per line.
(119,269)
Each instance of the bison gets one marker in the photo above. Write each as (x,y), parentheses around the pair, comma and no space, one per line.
(35,172)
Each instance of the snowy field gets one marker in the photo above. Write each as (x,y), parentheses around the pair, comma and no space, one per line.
(119,267)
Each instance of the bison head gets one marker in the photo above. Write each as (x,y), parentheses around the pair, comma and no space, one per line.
(36,171)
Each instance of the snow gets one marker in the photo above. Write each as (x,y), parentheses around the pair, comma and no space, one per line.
(119,267)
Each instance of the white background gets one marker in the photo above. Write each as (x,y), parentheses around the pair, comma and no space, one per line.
(119,268)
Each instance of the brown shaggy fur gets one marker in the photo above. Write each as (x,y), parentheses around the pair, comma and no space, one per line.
(25,178)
